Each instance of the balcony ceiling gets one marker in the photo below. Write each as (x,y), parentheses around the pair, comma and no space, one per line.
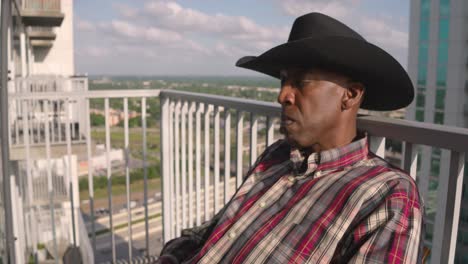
(41,43)
(41,35)
(42,18)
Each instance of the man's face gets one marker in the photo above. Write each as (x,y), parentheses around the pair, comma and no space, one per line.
(311,103)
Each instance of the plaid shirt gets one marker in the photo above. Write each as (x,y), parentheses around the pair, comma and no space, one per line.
(340,205)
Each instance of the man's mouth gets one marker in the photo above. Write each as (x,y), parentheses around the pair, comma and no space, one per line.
(286,120)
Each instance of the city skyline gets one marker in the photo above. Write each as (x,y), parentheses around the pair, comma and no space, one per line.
(155,37)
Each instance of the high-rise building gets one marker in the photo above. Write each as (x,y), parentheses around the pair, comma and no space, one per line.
(39,58)
(438,66)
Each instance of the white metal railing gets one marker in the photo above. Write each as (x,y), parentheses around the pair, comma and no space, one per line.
(204,156)
(48,97)
(31,115)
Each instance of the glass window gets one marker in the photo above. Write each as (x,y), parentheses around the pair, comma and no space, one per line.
(424,30)
(433,185)
(429,231)
(444,28)
(422,74)
(440,99)
(442,53)
(435,170)
(425,9)
(441,75)
(420,115)
(439,118)
(422,55)
(420,100)
(436,152)
(444,6)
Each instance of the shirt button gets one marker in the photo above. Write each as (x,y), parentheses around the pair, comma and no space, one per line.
(262,204)
(291,179)
(232,235)
(318,173)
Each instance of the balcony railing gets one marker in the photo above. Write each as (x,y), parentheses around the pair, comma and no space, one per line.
(206,144)
(42,5)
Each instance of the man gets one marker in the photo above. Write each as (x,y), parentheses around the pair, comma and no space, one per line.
(319,196)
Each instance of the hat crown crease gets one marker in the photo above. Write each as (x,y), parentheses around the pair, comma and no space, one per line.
(318,25)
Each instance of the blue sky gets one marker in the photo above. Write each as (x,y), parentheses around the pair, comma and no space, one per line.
(206,37)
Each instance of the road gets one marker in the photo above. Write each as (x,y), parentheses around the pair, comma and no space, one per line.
(103,241)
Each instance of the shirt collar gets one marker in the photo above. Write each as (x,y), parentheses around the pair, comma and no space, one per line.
(331,159)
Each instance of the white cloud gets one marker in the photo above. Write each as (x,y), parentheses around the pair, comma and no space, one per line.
(84,25)
(171,15)
(125,10)
(94,51)
(167,36)
(336,8)
(129,32)
(381,30)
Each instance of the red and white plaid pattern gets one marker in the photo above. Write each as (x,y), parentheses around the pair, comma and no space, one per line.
(347,206)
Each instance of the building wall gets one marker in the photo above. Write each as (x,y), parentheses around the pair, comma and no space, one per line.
(59,59)
(437,64)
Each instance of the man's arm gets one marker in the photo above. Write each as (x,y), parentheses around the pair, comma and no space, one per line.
(192,240)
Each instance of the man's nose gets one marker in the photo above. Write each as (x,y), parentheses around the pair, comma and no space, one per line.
(286,95)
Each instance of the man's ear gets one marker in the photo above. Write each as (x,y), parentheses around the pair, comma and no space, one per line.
(353,96)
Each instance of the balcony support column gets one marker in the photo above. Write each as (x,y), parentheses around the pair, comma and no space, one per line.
(4,127)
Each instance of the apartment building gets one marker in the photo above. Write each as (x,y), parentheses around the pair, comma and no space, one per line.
(438,65)
(38,41)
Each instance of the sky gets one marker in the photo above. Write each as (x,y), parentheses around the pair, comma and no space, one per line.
(207,37)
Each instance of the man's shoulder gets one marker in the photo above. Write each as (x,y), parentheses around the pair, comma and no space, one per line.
(393,181)
(278,151)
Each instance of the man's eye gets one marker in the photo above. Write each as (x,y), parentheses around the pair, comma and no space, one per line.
(299,84)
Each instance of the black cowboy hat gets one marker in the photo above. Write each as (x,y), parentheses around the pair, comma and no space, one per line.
(317,40)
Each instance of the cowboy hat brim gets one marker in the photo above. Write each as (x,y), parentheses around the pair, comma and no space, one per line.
(387,84)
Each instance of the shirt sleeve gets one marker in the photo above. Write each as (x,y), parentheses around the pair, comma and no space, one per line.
(393,232)
(189,243)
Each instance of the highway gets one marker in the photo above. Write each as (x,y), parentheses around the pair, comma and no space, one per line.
(103,241)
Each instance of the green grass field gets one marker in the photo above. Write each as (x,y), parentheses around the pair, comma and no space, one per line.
(117,138)
(117,190)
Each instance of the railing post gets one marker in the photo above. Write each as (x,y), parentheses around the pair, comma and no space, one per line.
(253,138)
(191,110)
(410,159)
(145,172)
(127,179)
(109,178)
(227,155)
(270,126)
(240,147)
(178,219)
(377,145)
(90,173)
(165,169)
(198,162)
(184,162)
(69,171)
(448,211)
(216,159)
